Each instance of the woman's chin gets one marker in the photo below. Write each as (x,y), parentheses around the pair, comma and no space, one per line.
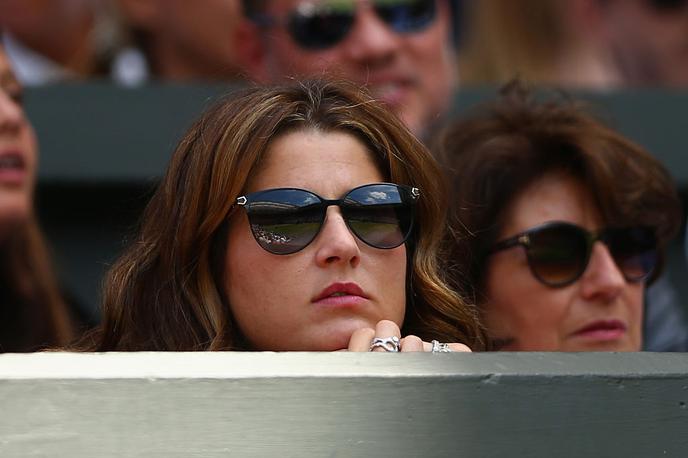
(336,336)
(622,345)
(14,211)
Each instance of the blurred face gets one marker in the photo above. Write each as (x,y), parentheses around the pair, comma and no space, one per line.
(600,311)
(190,41)
(17,152)
(316,298)
(413,72)
(649,39)
(26,16)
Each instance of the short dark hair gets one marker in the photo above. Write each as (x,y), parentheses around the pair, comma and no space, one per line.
(495,154)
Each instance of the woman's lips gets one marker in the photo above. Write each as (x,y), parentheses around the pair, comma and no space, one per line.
(12,168)
(342,301)
(341,295)
(602,330)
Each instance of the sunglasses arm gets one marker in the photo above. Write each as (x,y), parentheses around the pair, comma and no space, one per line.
(240,202)
(521,239)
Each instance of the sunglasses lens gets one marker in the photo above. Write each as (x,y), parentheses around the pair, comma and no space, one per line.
(319,27)
(557,254)
(380,215)
(406,16)
(634,250)
(285,221)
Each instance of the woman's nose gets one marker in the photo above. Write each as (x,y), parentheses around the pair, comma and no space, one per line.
(335,242)
(602,278)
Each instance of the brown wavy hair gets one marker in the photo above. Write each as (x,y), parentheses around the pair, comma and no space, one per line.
(34,315)
(494,154)
(165,292)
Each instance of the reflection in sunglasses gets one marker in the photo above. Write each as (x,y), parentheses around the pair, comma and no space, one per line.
(268,237)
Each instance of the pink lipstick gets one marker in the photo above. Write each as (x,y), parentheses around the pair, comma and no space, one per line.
(12,168)
(605,330)
(341,295)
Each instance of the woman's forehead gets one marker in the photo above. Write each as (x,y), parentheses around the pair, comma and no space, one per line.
(325,162)
(552,197)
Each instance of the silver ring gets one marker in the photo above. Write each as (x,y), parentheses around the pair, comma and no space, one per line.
(438,347)
(390,344)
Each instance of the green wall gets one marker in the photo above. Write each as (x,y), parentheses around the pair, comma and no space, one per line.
(103,148)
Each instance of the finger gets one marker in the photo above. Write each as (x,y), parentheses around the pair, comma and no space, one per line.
(385,329)
(361,339)
(411,343)
(460,347)
(427,346)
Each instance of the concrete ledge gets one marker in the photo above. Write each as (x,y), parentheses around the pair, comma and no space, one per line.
(341,404)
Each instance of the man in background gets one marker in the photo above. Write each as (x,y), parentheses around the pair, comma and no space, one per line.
(400,49)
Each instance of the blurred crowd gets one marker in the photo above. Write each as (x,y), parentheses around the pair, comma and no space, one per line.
(129,41)
(598,44)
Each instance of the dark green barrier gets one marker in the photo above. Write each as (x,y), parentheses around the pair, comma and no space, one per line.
(98,132)
(103,148)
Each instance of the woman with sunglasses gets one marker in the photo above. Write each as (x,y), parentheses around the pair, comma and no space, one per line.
(299,217)
(560,225)
(33,315)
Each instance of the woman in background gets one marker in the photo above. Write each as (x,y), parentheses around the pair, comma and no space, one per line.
(32,313)
(560,224)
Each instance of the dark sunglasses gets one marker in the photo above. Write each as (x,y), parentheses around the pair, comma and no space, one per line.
(321,25)
(558,253)
(286,220)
